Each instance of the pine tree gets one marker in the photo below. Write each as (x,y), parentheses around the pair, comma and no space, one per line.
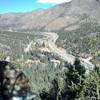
(53,92)
(92,89)
(75,77)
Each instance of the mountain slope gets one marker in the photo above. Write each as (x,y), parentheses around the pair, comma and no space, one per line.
(67,16)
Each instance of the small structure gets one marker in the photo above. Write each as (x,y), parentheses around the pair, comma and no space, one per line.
(55,62)
(44,49)
(29,61)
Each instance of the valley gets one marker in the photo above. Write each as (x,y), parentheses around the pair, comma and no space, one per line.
(56,49)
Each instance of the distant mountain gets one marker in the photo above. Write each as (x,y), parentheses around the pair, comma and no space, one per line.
(67,16)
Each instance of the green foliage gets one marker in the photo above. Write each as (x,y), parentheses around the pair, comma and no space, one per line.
(75,77)
(53,93)
(13,43)
(92,85)
(73,86)
(56,84)
(82,41)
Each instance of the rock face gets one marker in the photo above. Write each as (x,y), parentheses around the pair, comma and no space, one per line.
(57,18)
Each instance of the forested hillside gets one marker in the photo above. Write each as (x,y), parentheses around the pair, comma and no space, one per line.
(51,54)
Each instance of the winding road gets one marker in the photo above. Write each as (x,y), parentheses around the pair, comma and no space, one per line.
(51,39)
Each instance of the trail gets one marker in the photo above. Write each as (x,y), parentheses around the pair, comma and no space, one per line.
(27,49)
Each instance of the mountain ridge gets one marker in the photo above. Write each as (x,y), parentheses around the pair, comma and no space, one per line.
(64,17)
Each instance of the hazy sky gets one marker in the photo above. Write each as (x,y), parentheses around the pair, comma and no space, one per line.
(27,5)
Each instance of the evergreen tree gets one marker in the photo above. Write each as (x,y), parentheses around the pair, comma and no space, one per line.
(92,89)
(75,77)
(53,92)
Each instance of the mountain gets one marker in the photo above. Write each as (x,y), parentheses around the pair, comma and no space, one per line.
(67,16)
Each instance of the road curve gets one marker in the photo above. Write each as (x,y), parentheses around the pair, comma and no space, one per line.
(51,38)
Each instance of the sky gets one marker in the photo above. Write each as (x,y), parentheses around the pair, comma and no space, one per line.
(7,6)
